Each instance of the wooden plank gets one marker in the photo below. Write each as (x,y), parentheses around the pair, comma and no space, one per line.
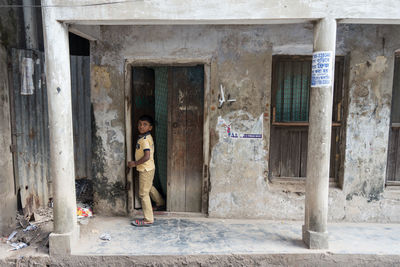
(206,137)
(290,142)
(275,152)
(396,176)
(178,146)
(393,183)
(170,182)
(300,124)
(332,158)
(284,158)
(293,161)
(392,152)
(303,152)
(129,182)
(194,84)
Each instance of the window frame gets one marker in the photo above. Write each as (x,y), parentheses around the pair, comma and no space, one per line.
(338,115)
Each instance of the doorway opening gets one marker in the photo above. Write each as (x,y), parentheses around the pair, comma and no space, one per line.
(174,97)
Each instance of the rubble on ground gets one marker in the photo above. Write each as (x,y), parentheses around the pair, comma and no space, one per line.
(31,232)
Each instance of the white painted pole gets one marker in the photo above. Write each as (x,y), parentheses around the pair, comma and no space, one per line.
(315,233)
(58,81)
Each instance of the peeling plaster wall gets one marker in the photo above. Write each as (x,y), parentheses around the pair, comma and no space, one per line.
(108,140)
(242,59)
(372,50)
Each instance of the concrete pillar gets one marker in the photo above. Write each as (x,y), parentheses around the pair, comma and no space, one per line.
(62,168)
(315,233)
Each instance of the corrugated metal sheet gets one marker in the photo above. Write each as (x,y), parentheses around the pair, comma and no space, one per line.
(31,126)
(31,131)
(80,86)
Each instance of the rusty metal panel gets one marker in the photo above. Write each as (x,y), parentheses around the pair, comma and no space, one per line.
(31,131)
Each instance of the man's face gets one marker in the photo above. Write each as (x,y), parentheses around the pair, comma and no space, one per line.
(144,127)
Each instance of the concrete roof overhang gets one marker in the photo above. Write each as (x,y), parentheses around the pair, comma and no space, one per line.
(176,12)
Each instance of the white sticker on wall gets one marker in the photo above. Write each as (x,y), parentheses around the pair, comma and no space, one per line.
(254,133)
(27,72)
(321,70)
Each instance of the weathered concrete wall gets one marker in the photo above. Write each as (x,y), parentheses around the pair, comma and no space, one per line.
(372,50)
(242,58)
(8,203)
(107,97)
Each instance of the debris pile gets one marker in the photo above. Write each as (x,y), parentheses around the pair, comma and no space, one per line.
(31,232)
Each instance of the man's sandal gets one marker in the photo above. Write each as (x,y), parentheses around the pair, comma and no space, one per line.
(140,223)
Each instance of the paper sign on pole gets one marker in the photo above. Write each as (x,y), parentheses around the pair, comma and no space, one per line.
(321,70)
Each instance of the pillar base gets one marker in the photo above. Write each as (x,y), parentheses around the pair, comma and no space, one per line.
(61,244)
(315,240)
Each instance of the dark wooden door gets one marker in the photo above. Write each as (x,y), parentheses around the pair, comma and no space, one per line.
(185,138)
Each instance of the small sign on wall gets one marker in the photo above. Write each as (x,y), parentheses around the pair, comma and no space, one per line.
(27,72)
(254,133)
(321,70)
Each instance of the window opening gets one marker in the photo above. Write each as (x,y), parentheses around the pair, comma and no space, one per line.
(289,124)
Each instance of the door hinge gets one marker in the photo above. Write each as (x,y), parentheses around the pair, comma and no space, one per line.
(128,186)
(205,171)
(13,148)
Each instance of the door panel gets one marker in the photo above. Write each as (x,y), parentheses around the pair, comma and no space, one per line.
(194,143)
(186,87)
(177,146)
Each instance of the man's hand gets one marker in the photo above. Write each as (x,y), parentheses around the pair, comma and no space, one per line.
(131,164)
